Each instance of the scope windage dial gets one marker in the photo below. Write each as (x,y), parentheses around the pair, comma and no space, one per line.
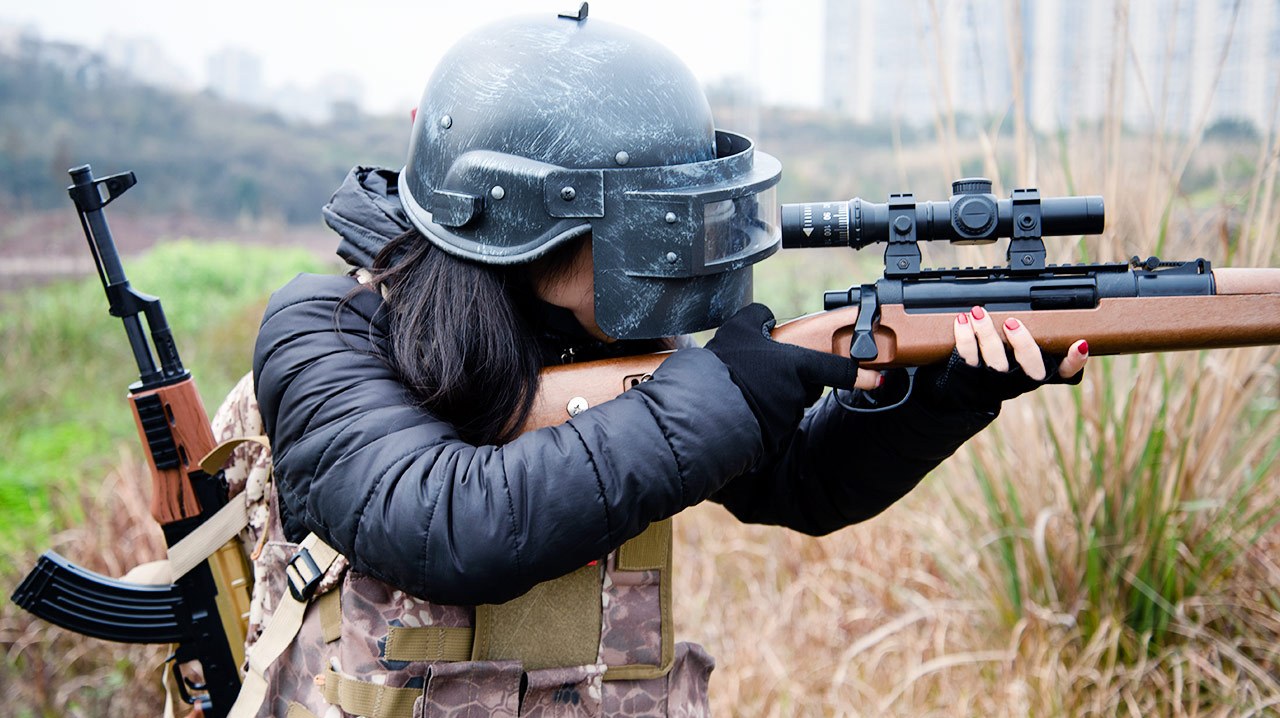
(815,224)
(973,211)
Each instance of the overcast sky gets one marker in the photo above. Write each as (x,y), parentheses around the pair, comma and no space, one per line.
(393,45)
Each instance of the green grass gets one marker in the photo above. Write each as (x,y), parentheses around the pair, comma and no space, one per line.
(67,364)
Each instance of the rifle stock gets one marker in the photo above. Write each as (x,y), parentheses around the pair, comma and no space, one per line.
(1245,311)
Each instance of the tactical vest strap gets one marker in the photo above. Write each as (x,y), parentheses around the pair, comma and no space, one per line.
(297,710)
(649,551)
(209,536)
(217,457)
(370,700)
(330,607)
(429,643)
(281,629)
(555,624)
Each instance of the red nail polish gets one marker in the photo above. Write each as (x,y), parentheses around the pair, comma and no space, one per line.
(880,380)
(1084,347)
(1011,324)
(962,318)
(978,313)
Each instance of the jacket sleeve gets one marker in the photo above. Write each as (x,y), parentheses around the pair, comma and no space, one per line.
(844,467)
(398,493)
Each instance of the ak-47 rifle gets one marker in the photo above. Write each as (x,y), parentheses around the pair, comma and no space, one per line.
(904,319)
(202,610)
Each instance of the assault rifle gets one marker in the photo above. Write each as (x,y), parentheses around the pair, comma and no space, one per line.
(201,610)
(904,319)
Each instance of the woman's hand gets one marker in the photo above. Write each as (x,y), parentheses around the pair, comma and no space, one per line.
(992,364)
(978,341)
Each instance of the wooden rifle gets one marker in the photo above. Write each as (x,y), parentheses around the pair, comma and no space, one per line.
(905,318)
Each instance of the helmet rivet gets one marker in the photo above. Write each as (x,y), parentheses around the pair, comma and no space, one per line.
(568,193)
(446,122)
(497,192)
(671,218)
(576,406)
(672,258)
(622,158)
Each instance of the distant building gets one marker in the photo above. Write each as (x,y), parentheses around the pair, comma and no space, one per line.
(236,74)
(86,67)
(319,103)
(1186,63)
(12,37)
(144,59)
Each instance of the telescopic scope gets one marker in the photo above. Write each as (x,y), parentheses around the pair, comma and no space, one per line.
(973,215)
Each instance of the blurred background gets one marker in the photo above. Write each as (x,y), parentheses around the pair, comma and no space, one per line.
(1104,549)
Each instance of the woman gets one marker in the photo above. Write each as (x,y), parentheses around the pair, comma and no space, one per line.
(565,199)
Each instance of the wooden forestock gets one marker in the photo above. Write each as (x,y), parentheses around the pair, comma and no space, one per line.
(172,496)
(1244,312)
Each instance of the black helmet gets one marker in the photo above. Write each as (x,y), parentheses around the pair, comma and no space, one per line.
(534,131)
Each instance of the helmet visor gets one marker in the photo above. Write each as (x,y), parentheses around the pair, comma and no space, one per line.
(737,229)
(674,248)
(672,244)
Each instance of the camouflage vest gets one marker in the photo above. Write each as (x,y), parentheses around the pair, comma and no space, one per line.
(597,642)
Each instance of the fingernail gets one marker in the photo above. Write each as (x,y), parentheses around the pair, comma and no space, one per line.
(880,381)
(962,318)
(978,313)
(1011,324)
(1084,347)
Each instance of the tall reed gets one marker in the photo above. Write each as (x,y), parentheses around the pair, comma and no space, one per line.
(1101,550)
(1129,509)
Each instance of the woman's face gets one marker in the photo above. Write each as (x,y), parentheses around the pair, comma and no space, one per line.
(574,289)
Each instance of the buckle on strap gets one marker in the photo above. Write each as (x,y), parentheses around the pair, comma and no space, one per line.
(303,575)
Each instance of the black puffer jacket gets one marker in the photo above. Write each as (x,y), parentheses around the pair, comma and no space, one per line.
(396,491)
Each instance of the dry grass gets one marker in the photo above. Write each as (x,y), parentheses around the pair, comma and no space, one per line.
(1104,550)
(908,615)
(51,672)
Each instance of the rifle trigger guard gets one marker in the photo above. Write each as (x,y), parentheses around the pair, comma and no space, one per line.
(185,685)
(862,403)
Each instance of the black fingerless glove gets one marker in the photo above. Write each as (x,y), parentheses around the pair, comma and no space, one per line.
(779,381)
(953,384)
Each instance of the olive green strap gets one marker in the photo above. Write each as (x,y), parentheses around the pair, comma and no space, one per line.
(651,550)
(329,605)
(370,700)
(297,710)
(555,624)
(429,643)
(217,457)
(282,627)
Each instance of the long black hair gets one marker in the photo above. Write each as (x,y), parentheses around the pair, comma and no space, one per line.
(460,335)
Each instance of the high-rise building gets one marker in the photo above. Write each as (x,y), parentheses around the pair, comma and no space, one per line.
(237,75)
(1178,64)
(145,59)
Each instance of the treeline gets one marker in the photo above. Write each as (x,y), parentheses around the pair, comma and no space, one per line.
(202,155)
(195,153)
